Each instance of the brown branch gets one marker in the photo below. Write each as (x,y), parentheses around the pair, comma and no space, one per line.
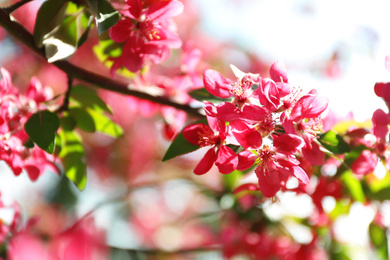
(162,253)
(15,6)
(21,34)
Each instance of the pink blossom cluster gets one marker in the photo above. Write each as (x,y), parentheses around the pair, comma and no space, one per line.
(272,124)
(242,237)
(377,149)
(29,240)
(147,31)
(15,109)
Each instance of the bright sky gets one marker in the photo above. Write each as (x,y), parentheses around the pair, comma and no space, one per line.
(304,34)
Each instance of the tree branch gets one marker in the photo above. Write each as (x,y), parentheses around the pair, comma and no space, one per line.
(160,252)
(15,6)
(21,34)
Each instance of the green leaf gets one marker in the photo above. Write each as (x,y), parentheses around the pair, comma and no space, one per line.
(83,119)
(84,36)
(62,43)
(354,186)
(88,98)
(72,155)
(231,180)
(105,14)
(203,95)
(180,145)
(41,127)
(379,240)
(334,142)
(105,125)
(50,15)
(67,122)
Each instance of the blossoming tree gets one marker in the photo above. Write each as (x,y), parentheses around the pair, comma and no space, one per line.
(127,95)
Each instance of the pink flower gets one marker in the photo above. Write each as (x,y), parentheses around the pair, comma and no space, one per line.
(304,120)
(146,33)
(215,136)
(15,109)
(222,87)
(275,164)
(271,91)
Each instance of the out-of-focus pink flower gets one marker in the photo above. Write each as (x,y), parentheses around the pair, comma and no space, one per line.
(15,111)
(146,33)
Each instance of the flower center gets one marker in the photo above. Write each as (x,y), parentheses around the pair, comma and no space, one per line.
(148,30)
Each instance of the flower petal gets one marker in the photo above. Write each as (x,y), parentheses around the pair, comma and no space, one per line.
(163,10)
(206,163)
(227,160)
(216,84)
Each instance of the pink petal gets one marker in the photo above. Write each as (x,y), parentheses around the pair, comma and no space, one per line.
(246,187)
(206,163)
(121,31)
(300,174)
(288,143)
(380,121)
(227,160)
(193,132)
(269,180)
(365,163)
(157,53)
(387,63)
(246,159)
(32,171)
(227,111)
(254,113)
(314,155)
(191,58)
(248,137)
(268,94)
(135,8)
(278,72)
(216,84)
(132,59)
(163,10)
(169,39)
(210,109)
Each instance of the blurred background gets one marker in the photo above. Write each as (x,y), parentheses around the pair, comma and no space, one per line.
(336,47)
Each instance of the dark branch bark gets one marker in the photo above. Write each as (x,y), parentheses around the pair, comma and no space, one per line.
(15,6)
(22,35)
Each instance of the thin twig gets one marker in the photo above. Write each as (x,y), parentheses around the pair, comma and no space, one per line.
(65,104)
(160,252)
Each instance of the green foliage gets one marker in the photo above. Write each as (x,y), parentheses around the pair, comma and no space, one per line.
(50,15)
(334,142)
(83,119)
(203,95)
(61,27)
(231,180)
(41,127)
(179,146)
(72,155)
(105,14)
(88,111)
(86,97)
(379,241)
(354,186)
(105,125)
